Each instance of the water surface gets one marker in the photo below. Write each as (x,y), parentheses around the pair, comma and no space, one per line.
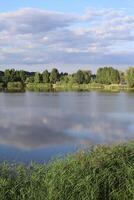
(41,126)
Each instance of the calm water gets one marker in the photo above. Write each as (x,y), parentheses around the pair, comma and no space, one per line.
(41,126)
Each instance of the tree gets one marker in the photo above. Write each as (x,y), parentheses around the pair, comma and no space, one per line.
(46,77)
(79,77)
(87,76)
(64,79)
(30,79)
(1,76)
(37,77)
(54,76)
(122,77)
(107,75)
(9,75)
(17,76)
(22,75)
(130,77)
(82,77)
(114,76)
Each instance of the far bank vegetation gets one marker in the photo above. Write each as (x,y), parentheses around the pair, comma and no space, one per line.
(107,78)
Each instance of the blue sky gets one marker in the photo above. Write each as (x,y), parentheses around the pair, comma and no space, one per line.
(66,34)
(65,5)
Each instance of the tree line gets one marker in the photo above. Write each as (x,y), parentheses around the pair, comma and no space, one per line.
(105,75)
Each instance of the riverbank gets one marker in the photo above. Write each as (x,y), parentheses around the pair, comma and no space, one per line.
(105,172)
(91,86)
(40,87)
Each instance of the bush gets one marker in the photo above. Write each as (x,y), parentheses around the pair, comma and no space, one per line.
(15,86)
(39,86)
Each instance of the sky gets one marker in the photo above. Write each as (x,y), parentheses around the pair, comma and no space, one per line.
(69,35)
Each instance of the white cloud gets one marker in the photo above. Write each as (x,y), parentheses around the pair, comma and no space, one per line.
(32,36)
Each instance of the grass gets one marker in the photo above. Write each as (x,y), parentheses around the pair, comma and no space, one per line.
(104,173)
(47,87)
(39,87)
(91,86)
(15,87)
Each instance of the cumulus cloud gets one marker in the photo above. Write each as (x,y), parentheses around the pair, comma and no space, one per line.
(33,36)
(29,20)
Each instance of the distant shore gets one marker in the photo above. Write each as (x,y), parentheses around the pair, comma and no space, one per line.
(42,87)
(106,78)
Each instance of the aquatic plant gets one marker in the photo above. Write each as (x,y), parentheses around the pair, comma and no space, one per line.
(105,172)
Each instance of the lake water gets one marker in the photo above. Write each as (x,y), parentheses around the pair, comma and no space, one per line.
(41,126)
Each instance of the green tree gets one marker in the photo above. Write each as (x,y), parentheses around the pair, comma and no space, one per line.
(108,75)
(64,79)
(54,76)
(122,77)
(22,75)
(79,77)
(37,78)
(114,76)
(1,77)
(30,79)
(87,76)
(17,76)
(130,77)
(9,75)
(46,77)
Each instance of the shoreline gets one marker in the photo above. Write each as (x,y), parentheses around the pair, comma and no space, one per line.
(40,87)
(103,172)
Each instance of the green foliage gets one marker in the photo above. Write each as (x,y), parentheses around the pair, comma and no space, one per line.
(79,77)
(9,75)
(87,76)
(22,75)
(108,75)
(30,79)
(1,77)
(130,77)
(15,86)
(64,79)
(105,172)
(83,77)
(122,77)
(39,87)
(1,86)
(46,77)
(81,80)
(54,76)
(37,78)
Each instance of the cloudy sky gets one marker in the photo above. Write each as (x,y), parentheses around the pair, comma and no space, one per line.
(66,34)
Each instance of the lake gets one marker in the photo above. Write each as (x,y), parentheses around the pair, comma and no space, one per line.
(41,126)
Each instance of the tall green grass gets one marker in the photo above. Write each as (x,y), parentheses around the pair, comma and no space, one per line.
(15,87)
(39,87)
(103,173)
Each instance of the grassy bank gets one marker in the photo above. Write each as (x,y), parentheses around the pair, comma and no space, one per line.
(15,87)
(91,86)
(106,173)
(39,87)
(46,87)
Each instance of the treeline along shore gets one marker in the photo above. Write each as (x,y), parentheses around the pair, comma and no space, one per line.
(106,78)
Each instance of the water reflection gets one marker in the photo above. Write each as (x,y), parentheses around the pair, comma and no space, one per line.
(38,126)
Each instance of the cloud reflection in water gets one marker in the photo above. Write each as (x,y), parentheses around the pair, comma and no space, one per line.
(63,129)
(36,126)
